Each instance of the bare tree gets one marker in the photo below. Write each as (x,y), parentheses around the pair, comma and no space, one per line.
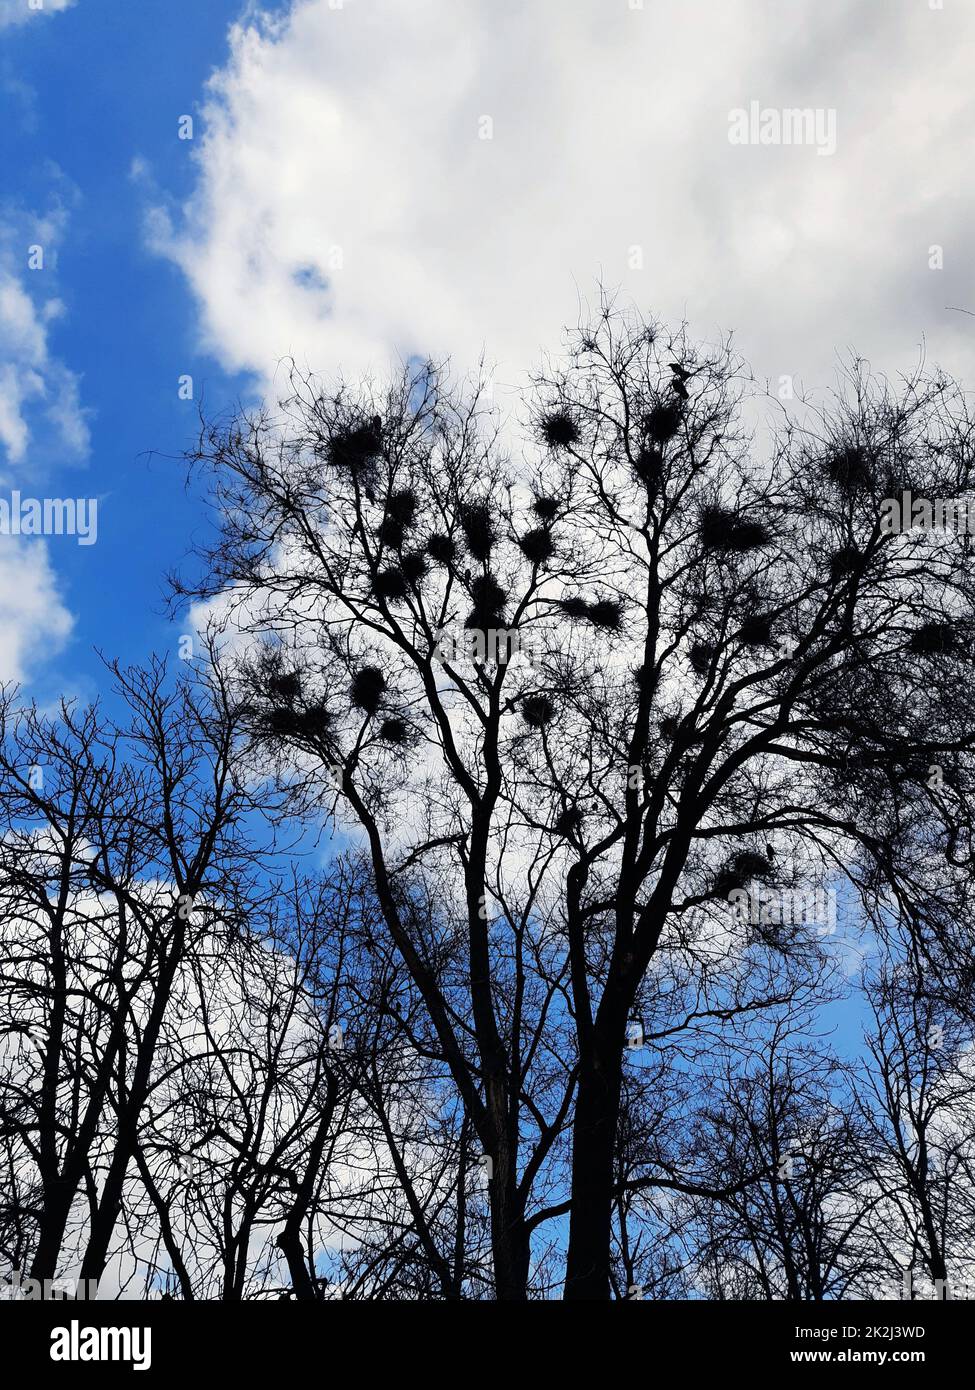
(595,694)
(804,1232)
(114,846)
(212,1080)
(916,1093)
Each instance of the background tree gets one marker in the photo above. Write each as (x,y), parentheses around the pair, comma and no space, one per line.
(196,1054)
(804,1231)
(916,1095)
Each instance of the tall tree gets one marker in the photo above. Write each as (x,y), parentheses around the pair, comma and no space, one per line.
(212,1080)
(593,697)
(114,847)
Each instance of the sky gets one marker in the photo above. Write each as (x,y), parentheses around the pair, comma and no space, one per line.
(369,179)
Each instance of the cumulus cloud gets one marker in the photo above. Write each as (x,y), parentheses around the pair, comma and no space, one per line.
(40,405)
(34,623)
(42,421)
(380,178)
(20,11)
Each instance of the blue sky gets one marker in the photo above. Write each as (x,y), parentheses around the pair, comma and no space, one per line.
(82,95)
(340,203)
(371,180)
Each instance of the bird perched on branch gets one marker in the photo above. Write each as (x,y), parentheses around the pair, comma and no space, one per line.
(680,376)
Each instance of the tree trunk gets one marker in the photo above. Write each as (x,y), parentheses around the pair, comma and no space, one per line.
(53,1222)
(509,1243)
(289,1241)
(511,1251)
(587,1274)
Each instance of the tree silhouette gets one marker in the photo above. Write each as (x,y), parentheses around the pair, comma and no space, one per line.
(707,668)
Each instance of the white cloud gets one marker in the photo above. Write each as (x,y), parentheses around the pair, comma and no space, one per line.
(353,132)
(40,406)
(34,623)
(42,422)
(20,11)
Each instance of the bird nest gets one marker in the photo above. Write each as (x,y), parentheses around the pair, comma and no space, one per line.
(559,429)
(394,730)
(663,421)
(546,508)
(475,520)
(400,511)
(286,722)
(489,600)
(756,630)
(441,548)
(537,711)
(723,530)
(850,467)
(933,639)
(742,868)
(606,613)
(701,656)
(537,545)
(368,688)
(356,448)
(391,584)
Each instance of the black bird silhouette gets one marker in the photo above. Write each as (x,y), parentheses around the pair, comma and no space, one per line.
(680,376)
(770,852)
